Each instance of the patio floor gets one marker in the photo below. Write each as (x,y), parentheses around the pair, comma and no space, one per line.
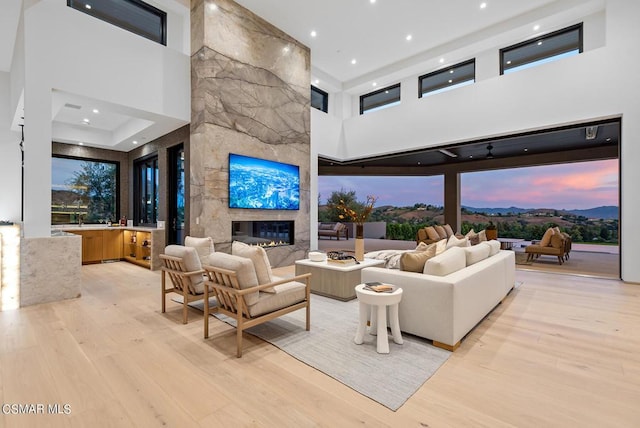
(585,259)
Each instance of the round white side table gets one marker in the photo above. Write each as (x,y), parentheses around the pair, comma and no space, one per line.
(378,303)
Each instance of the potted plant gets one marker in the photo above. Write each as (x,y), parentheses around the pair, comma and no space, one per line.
(491,231)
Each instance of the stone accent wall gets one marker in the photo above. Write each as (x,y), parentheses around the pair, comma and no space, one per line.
(250,86)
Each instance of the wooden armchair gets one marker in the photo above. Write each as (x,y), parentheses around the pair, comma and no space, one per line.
(239,297)
(183,267)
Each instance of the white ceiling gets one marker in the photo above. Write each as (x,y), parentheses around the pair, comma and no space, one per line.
(372,33)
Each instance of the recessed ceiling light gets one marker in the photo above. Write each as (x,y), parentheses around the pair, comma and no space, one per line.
(285,49)
(135,142)
(450,71)
(526,150)
(96,111)
(80,143)
(450,81)
(386,92)
(87,6)
(374,84)
(316,81)
(508,62)
(409,37)
(86,121)
(418,162)
(483,5)
(372,1)
(213,6)
(608,140)
(353,61)
(441,60)
(540,43)
(536,27)
(313,33)
(470,156)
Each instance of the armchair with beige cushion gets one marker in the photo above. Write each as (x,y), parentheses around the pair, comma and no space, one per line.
(185,272)
(553,243)
(246,290)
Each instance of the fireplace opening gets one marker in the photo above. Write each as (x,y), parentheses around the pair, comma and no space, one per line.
(270,233)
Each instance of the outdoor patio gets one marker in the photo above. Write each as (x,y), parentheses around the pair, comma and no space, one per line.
(601,261)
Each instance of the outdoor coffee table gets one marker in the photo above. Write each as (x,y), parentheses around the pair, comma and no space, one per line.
(334,280)
(507,243)
(376,304)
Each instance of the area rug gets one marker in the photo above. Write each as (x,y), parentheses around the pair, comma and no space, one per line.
(390,379)
(521,259)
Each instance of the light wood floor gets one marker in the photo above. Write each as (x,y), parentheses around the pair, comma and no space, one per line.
(561,351)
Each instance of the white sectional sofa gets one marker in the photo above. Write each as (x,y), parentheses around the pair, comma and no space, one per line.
(446,306)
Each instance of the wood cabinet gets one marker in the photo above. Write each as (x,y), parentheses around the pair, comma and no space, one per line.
(137,247)
(91,246)
(141,246)
(111,244)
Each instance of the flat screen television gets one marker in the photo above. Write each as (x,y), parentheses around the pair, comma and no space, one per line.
(263,184)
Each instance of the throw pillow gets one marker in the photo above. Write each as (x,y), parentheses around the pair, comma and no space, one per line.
(413,261)
(422,246)
(448,262)
(337,226)
(204,247)
(260,261)
(476,254)
(557,241)
(482,236)
(432,234)
(191,262)
(441,246)
(449,231)
(441,232)
(557,230)
(473,237)
(493,245)
(243,267)
(546,238)
(455,242)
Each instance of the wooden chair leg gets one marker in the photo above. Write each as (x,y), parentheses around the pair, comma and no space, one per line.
(163,294)
(559,259)
(185,305)
(206,311)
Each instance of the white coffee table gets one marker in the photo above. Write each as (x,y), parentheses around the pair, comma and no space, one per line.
(333,280)
(376,304)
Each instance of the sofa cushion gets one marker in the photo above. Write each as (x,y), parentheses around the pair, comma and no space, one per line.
(338,226)
(325,226)
(546,238)
(191,261)
(284,295)
(441,246)
(413,261)
(244,269)
(204,246)
(557,241)
(494,246)
(432,234)
(260,261)
(448,262)
(482,236)
(473,237)
(441,232)
(455,242)
(476,253)
(449,231)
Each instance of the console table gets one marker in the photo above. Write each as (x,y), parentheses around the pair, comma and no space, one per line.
(334,280)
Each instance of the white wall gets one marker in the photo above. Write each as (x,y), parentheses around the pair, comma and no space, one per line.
(596,84)
(10,159)
(73,52)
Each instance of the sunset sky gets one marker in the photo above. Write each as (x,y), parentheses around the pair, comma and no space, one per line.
(569,186)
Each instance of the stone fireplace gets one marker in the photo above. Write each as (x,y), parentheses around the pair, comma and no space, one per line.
(264,233)
(250,96)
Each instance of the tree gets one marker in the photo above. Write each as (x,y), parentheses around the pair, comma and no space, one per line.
(96,183)
(350,201)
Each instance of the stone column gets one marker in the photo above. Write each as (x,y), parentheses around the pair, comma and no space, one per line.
(250,86)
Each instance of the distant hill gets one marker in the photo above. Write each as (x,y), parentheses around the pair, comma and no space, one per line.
(604,212)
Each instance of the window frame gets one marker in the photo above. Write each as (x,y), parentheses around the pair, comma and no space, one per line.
(534,40)
(445,70)
(95,160)
(139,4)
(138,211)
(325,99)
(379,91)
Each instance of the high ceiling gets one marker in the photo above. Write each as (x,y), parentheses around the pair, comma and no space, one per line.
(373,32)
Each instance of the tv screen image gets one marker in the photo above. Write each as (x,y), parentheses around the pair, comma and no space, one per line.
(263,184)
